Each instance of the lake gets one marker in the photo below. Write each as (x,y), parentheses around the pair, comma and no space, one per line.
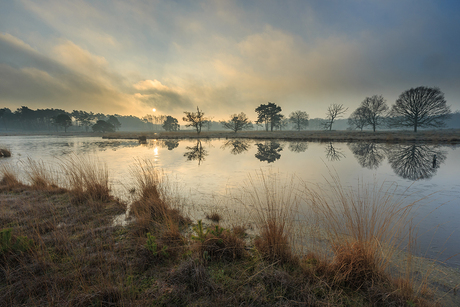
(203,171)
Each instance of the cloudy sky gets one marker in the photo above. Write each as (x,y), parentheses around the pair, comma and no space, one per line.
(127,57)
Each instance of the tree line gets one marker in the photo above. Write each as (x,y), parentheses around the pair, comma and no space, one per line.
(421,107)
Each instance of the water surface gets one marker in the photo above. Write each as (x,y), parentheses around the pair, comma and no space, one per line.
(209,168)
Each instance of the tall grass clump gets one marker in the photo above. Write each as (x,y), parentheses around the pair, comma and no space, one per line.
(364,227)
(153,204)
(5,152)
(9,177)
(87,178)
(272,202)
(40,175)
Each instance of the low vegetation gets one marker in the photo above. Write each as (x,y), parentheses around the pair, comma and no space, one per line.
(61,246)
(5,152)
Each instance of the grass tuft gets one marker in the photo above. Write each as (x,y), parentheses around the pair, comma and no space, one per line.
(151,207)
(272,203)
(5,152)
(41,176)
(364,227)
(9,178)
(88,179)
(214,216)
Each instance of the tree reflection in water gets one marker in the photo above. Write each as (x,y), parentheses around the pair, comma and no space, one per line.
(196,152)
(269,151)
(236,146)
(170,144)
(369,155)
(416,162)
(333,153)
(298,146)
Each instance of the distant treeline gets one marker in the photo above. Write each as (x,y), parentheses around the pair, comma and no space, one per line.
(26,119)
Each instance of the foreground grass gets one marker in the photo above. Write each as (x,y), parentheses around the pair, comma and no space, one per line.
(60,246)
(447,136)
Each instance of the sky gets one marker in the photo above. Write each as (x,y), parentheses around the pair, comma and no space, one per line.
(225,57)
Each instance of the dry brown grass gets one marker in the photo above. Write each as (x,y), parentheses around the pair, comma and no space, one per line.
(364,227)
(151,193)
(40,175)
(217,243)
(9,177)
(5,152)
(272,204)
(214,216)
(87,178)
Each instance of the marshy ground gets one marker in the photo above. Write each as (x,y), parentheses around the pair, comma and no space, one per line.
(60,246)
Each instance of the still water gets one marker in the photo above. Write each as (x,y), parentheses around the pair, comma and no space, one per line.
(209,168)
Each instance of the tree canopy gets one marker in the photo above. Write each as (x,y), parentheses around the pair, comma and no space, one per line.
(334,111)
(170,124)
(268,114)
(195,119)
(237,122)
(103,126)
(420,107)
(299,119)
(376,109)
(64,121)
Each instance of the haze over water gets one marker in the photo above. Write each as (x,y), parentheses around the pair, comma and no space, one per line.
(206,170)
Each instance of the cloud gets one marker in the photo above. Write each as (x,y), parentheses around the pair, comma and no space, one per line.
(72,79)
(162,97)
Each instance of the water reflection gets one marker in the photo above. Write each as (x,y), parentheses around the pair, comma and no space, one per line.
(369,155)
(298,146)
(268,151)
(170,144)
(236,146)
(415,162)
(333,153)
(196,153)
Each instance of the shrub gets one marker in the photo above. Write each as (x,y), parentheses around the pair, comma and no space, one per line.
(217,243)
(5,153)
(9,244)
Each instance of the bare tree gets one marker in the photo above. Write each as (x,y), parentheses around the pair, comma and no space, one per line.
(299,119)
(377,110)
(420,107)
(333,112)
(358,119)
(237,122)
(195,119)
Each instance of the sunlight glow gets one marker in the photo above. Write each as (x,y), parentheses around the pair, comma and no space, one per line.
(154,110)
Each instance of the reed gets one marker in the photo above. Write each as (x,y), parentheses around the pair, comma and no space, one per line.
(272,205)
(5,152)
(153,200)
(87,178)
(40,175)
(365,227)
(9,177)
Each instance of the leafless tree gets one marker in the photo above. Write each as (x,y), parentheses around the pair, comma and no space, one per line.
(333,153)
(195,119)
(376,110)
(420,107)
(358,119)
(299,119)
(333,112)
(237,122)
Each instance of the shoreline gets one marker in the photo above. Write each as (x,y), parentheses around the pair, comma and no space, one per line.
(444,136)
(448,136)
